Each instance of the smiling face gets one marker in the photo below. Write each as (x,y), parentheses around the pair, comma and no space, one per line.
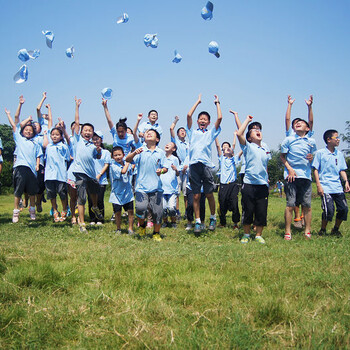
(55,136)
(28,131)
(37,127)
(203,121)
(181,133)
(118,156)
(301,126)
(255,136)
(151,136)
(153,117)
(333,141)
(97,141)
(87,132)
(170,147)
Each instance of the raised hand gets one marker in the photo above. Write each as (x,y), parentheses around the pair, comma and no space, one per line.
(104,103)
(77,101)
(234,113)
(290,100)
(176,119)
(216,99)
(309,101)
(21,100)
(139,116)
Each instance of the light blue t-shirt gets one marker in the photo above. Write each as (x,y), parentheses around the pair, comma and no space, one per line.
(40,140)
(291,132)
(147,125)
(125,143)
(121,187)
(200,145)
(296,148)
(57,155)
(100,163)
(85,155)
(27,151)
(329,165)
(182,148)
(256,159)
(169,179)
(228,169)
(147,163)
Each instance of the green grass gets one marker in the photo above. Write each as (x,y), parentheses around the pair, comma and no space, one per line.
(60,288)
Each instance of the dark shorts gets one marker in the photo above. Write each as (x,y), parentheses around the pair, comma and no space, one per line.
(54,187)
(328,201)
(254,204)
(40,178)
(152,201)
(128,206)
(298,193)
(85,183)
(24,181)
(201,175)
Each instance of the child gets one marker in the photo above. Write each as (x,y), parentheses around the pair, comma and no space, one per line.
(150,162)
(101,166)
(296,156)
(255,190)
(121,188)
(57,156)
(228,192)
(200,162)
(170,185)
(84,167)
(328,164)
(279,186)
(150,124)
(26,166)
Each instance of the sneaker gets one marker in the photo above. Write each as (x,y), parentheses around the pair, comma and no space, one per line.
(149,224)
(32,213)
(173,225)
(15,215)
(245,240)
(197,227)
(202,226)
(335,232)
(118,232)
(82,228)
(74,220)
(307,235)
(99,223)
(259,239)
(212,225)
(97,212)
(51,211)
(64,215)
(287,236)
(113,217)
(131,233)
(69,213)
(92,223)
(322,232)
(297,223)
(188,227)
(39,208)
(156,237)
(56,216)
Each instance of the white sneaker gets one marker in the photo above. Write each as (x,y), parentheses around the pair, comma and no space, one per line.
(188,227)
(15,216)
(32,213)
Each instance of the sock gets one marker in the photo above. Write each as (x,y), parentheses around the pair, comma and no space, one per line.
(198,221)
(213,216)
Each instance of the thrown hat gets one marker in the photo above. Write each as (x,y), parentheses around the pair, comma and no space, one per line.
(214,48)
(177,58)
(22,75)
(24,55)
(151,40)
(70,52)
(207,11)
(123,19)
(49,37)
(99,133)
(107,93)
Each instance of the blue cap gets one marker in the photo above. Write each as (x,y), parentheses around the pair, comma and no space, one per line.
(99,134)
(107,93)
(24,55)
(214,48)
(123,19)
(207,11)
(49,37)
(151,40)
(70,52)
(22,75)
(177,58)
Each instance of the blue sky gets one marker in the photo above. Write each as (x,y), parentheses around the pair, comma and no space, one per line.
(269,49)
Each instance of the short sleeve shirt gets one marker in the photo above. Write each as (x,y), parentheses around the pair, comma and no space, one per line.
(169,179)
(57,156)
(182,148)
(121,188)
(126,143)
(147,125)
(100,163)
(227,169)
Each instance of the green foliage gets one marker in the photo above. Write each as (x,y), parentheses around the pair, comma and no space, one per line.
(275,168)
(8,143)
(6,175)
(346,138)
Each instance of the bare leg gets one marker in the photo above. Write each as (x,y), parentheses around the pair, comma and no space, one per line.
(131,219)
(211,201)
(288,215)
(307,218)
(32,201)
(118,219)
(17,199)
(196,199)
(259,230)
(81,213)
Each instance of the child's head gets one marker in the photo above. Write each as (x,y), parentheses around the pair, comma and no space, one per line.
(170,148)
(121,128)
(28,131)
(37,127)
(254,135)
(87,131)
(255,125)
(331,138)
(181,132)
(203,120)
(301,127)
(97,139)
(56,135)
(118,154)
(152,116)
(294,121)
(225,145)
(226,149)
(129,131)
(152,135)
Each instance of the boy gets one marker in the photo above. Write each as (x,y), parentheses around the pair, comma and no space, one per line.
(200,162)
(150,161)
(296,156)
(255,190)
(150,124)
(328,164)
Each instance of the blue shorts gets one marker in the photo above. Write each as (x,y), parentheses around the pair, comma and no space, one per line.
(328,201)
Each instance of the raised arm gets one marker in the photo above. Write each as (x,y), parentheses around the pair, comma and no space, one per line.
(172,127)
(238,122)
(288,112)
(240,132)
(25,121)
(49,116)
(218,148)
(18,110)
(12,123)
(76,119)
(234,140)
(310,113)
(125,168)
(62,126)
(218,110)
(46,139)
(136,138)
(38,107)
(108,116)
(190,113)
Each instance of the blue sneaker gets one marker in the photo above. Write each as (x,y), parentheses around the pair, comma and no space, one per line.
(69,213)
(51,212)
(212,225)
(245,240)
(197,228)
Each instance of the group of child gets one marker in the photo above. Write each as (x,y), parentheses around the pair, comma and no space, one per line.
(47,157)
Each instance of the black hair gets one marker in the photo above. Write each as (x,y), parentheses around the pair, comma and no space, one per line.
(87,124)
(117,148)
(181,127)
(152,110)
(205,113)
(294,121)
(247,135)
(72,123)
(121,124)
(128,128)
(28,124)
(224,143)
(157,134)
(254,125)
(302,120)
(59,130)
(328,134)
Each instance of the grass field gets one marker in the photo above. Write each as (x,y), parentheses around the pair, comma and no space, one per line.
(60,288)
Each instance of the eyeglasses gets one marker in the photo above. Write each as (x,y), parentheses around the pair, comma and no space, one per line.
(335,138)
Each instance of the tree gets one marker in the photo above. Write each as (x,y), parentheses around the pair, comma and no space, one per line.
(275,168)
(346,138)
(8,144)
